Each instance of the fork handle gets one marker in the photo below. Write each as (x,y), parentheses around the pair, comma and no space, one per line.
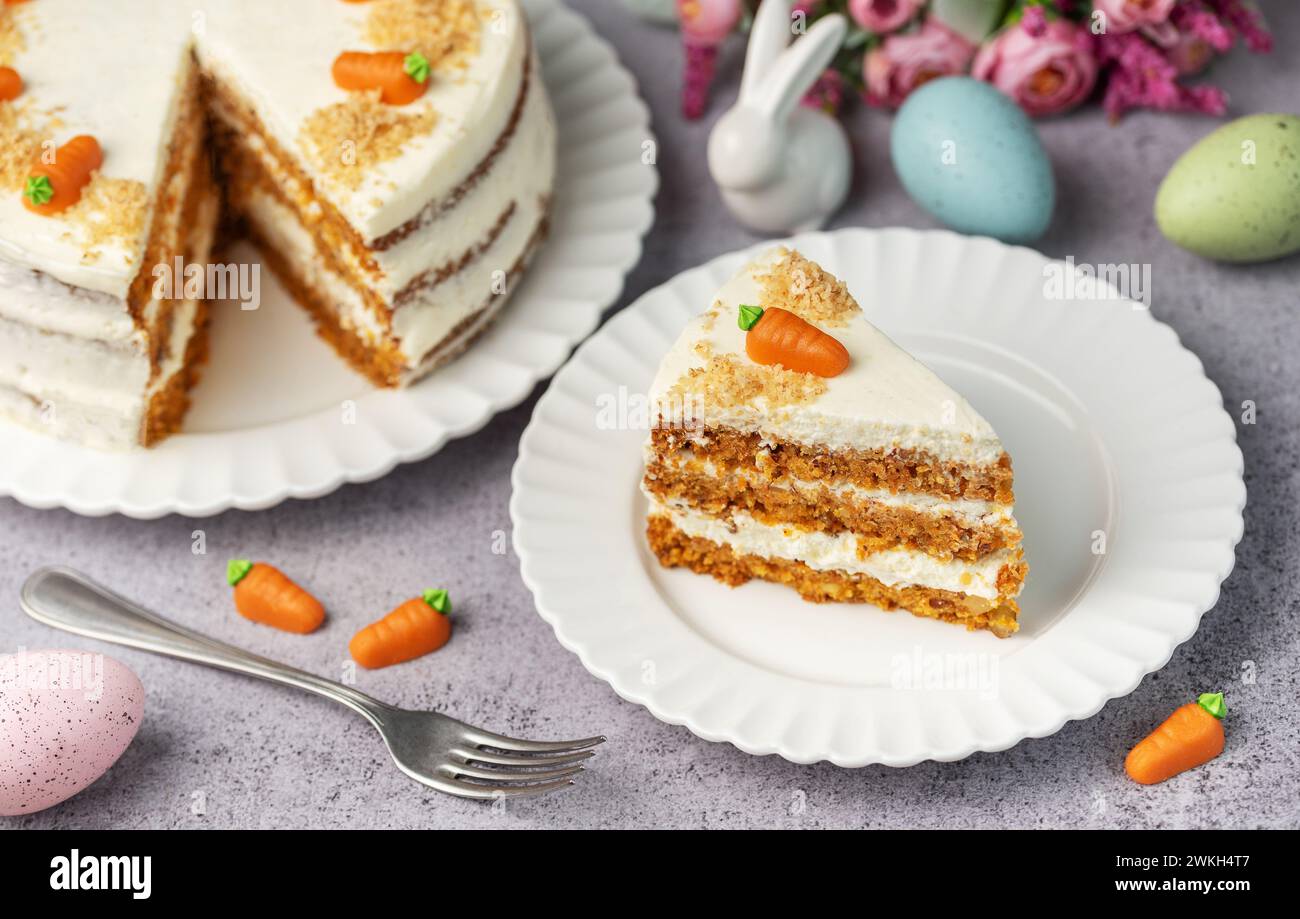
(70,601)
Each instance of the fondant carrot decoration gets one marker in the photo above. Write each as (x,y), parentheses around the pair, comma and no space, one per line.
(11,84)
(1192,735)
(401,78)
(265,595)
(54,187)
(778,336)
(415,628)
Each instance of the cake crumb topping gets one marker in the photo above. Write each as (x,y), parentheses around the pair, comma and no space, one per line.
(20,145)
(446,32)
(803,287)
(726,381)
(110,211)
(12,42)
(345,140)
(710,316)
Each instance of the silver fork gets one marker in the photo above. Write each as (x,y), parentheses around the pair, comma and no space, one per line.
(443,753)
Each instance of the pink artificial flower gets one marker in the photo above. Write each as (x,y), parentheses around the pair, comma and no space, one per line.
(1044,74)
(705,24)
(708,22)
(1188,52)
(882,16)
(1034,20)
(1127,15)
(905,60)
(1195,18)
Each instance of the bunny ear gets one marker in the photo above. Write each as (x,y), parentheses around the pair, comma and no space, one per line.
(798,67)
(768,36)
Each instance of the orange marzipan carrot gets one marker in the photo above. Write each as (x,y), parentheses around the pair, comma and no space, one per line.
(11,84)
(416,628)
(264,594)
(54,187)
(1192,735)
(400,77)
(778,336)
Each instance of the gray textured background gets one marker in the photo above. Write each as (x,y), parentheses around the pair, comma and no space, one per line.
(260,756)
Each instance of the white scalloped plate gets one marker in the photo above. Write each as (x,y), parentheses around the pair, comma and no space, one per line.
(1112,426)
(266,421)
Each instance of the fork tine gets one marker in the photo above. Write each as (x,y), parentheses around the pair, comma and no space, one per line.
(463,754)
(458,770)
(481,738)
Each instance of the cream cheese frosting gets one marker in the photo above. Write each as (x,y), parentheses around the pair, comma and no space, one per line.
(83,390)
(884,399)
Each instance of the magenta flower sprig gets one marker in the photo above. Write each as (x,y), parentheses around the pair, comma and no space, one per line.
(1145,60)
(1248,21)
(1141,76)
(705,25)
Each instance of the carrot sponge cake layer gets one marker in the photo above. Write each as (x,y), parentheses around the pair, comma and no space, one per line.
(797,444)
(393,159)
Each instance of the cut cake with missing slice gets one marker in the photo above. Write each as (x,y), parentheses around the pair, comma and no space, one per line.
(879,484)
(401,228)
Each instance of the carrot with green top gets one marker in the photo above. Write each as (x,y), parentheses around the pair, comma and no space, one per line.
(418,627)
(56,186)
(11,84)
(1191,736)
(264,594)
(778,336)
(401,78)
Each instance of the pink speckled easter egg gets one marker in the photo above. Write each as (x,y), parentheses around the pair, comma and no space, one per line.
(65,717)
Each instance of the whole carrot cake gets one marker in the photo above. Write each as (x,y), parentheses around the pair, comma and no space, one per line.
(393,160)
(863,478)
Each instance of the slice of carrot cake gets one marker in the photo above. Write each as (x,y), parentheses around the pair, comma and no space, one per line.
(796,443)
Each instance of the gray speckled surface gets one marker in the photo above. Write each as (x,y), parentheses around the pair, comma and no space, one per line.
(252,755)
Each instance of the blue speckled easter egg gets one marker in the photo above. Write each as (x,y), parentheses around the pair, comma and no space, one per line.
(968,155)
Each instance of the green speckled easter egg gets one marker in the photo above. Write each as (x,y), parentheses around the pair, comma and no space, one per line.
(1235,195)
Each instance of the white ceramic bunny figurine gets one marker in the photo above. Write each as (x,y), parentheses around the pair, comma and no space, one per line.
(782,167)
